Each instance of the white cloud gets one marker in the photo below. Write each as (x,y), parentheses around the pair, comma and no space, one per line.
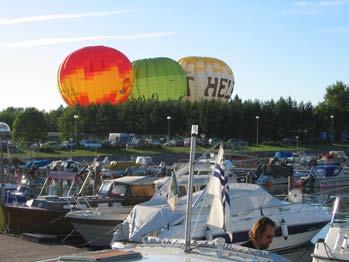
(315,7)
(63,40)
(42,18)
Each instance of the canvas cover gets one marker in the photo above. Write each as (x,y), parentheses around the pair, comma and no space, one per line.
(156,214)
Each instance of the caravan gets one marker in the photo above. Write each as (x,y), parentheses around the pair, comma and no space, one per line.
(121,139)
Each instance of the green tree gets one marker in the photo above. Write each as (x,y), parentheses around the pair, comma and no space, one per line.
(9,115)
(66,123)
(30,125)
(52,118)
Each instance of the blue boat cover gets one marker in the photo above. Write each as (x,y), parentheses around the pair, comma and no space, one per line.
(283,154)
(37,163)
(327,170)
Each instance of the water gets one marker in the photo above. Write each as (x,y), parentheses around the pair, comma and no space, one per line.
(303,254)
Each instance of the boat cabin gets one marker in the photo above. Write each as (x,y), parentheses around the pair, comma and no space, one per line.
(130,190)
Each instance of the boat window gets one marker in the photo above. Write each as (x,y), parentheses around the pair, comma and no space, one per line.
(65,187)
(53,188)
(202,187)
(118,190)
(105,187)
(143,190)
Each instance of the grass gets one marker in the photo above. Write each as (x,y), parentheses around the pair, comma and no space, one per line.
(253,149)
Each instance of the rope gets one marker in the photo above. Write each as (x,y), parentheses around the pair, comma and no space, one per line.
(92,240)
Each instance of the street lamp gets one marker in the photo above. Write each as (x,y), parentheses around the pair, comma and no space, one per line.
(76,117)
(257,130)
(168,128)
(4,131)
(203,139)
(332,127)
(297,137)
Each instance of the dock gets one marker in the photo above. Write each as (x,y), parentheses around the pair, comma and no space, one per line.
(15,249)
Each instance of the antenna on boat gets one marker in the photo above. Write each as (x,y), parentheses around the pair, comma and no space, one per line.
(194,133)
(335,207)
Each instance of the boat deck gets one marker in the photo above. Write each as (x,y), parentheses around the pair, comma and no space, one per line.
(16,249)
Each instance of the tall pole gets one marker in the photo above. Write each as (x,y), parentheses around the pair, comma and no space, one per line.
(76,128)
(168,128)
(332,128)
(257,131)
(4,131)
(194,133)
(297,137)
(2,163)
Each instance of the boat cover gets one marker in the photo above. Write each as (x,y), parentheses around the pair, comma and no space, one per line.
(156,214)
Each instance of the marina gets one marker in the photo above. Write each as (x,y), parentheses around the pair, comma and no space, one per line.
(177,131)
(93,228)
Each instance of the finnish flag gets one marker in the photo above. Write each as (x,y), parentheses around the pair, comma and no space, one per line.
(220,213)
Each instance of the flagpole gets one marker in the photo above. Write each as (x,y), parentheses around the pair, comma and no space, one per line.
(194,133)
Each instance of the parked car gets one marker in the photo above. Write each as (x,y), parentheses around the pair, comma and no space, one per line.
(7,145)
(233,142)
(213,141)
(174,142)
(289,141)
(92,144)
(55,145)
(68,144)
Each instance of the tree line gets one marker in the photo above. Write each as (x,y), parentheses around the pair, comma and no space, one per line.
(278,119)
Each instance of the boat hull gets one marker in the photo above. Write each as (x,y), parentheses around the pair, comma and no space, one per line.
(23,219)
(298,235)
(96,235)
(97,226)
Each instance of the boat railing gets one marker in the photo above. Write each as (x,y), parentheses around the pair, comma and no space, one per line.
(336,213)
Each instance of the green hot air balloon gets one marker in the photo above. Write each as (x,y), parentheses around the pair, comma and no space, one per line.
(158,78)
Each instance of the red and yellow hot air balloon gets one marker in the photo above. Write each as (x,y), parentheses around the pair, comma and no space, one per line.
(95,75)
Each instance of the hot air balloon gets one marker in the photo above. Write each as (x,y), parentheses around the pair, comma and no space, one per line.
(208,78)
(158,78)
(95,75)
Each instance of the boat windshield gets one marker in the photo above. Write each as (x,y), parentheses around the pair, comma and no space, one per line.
(105,188)
(59,187)
(118,190)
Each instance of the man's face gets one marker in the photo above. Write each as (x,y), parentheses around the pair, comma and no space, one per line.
(267,237)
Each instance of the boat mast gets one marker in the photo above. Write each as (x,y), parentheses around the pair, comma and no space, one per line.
(194,133)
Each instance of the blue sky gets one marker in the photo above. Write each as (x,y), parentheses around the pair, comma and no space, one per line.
(275,48)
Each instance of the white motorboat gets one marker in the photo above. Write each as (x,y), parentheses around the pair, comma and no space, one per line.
(324,176)
(335,246)
(248,203)
(96,225)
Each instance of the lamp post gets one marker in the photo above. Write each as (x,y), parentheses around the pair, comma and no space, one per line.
(4,131)
(76,117)
(203,139)
(257,130)
(297,137)
(332,128)
(168,128)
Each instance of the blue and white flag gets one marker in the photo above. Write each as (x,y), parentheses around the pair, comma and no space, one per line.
(220,213)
